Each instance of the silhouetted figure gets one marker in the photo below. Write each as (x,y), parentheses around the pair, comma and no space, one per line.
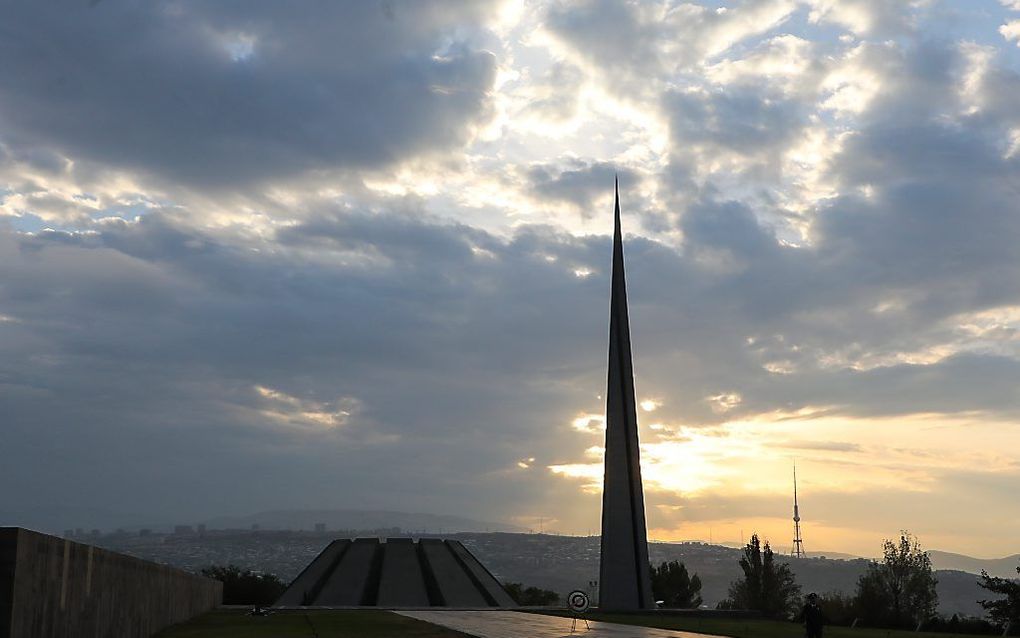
(814,619)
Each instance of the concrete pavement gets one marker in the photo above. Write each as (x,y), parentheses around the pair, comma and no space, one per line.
(512,624)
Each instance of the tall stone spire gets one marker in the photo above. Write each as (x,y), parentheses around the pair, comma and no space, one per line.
(624,580)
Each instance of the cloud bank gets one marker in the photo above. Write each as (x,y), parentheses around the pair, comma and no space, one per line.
(252,255)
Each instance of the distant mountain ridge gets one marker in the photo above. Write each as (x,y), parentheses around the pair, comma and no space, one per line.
(1004,567)
(834,555)
(1001,567)
(811,554)
(344,519)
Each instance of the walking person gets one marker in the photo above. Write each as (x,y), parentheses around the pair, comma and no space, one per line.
(812,616)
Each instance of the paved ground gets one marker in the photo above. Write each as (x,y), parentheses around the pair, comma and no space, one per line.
(512,624)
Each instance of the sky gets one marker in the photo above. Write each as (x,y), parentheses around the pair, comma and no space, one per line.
(356,255)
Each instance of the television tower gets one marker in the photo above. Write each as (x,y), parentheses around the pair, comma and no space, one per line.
(798,542)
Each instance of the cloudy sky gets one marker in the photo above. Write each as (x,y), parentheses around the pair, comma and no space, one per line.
(355,254)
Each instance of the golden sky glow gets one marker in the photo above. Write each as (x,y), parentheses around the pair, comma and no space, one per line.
(910,457)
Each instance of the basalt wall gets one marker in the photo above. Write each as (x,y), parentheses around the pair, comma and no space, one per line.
(55,588)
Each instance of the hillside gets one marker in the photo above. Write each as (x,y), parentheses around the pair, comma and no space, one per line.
(1001,567)
(562,563)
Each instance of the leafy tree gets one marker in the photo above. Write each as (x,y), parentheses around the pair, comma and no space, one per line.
(674,587)
(767,586)
(838,608)
(900,590)
(245,587)
(531,596)
(1006,610)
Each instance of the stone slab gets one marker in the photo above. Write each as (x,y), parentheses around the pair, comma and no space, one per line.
(402,583)
(347,585)
(303,590)
(455,586)
(397,574)
(482,575)
(512,624)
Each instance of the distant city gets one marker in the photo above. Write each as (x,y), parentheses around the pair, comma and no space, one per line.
(556,562)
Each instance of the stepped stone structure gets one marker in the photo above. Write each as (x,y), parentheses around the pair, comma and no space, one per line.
(398,573)
(624,578)
(54,588)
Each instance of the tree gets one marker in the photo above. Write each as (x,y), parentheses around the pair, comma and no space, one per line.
(1006,610)
(899,591)
(838,608)
(674,587)
(531,596)
(767,586)
(245,587)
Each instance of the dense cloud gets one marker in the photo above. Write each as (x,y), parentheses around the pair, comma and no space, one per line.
(819,201)
(579,183)
(241,91)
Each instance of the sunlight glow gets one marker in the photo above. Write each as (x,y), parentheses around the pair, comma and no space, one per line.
(285,408)
(593,423)
(753,458)
(649,405)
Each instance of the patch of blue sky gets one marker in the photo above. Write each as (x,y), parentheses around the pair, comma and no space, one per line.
(969,21)
(124,211)
(23,222)
(800,25)
(27,223)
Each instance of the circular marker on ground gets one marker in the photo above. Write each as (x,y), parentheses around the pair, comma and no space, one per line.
(578,601)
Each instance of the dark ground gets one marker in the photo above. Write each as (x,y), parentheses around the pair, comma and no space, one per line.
(235,623)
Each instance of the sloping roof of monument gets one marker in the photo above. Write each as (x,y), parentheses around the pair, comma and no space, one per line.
(400,572)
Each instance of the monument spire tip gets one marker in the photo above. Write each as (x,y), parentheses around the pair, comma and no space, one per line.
(616,212)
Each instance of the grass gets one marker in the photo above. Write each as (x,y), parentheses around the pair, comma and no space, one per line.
(739,628)
(236,623)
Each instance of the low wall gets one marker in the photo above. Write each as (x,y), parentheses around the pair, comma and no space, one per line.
(54,588)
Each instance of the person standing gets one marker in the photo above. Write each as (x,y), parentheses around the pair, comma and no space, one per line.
(814,619)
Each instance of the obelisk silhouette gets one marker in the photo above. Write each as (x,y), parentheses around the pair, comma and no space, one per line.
(624,580)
